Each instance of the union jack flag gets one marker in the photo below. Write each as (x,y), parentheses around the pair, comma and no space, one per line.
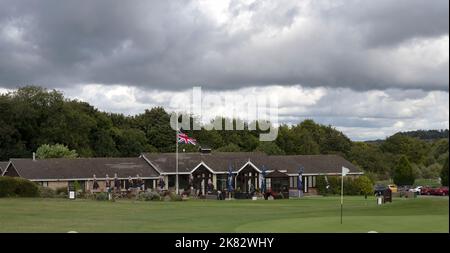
(184,138)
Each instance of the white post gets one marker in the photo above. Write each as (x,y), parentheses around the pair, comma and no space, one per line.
(342,194)
(176,157)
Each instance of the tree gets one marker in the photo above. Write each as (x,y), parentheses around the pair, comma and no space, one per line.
(444,173)
(229,148)
(269,148)
(306,144)
(363,185)
(130,142)
(403,173)
(55,151)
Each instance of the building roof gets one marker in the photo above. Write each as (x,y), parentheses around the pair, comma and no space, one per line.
(3,166)
(276,174)
(152,164)
(219,162)
(82,168)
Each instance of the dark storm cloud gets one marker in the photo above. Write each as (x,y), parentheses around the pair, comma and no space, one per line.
(176,44)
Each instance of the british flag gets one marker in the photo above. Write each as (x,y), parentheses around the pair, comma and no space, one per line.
(184,138)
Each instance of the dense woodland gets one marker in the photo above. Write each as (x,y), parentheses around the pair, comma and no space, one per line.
(33,116)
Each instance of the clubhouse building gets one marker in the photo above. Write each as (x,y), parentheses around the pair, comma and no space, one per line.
(197,170)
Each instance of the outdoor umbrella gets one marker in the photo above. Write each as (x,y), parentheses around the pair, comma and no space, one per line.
(300,182)
(263,179)
(230,178)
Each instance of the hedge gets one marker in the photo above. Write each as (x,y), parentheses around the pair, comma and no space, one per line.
(361,185)
(17,187)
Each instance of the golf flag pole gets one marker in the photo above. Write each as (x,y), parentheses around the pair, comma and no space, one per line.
(344,173)
(176,158)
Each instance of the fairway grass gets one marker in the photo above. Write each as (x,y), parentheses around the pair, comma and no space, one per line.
(310,214)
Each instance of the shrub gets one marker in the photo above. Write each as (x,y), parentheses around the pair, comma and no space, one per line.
(148,196)
(62,195)
(61,190)
(14,186)
(363,185)
(45,192)
(321,185)
(102,196)
(175,197)
(7,186)
(359,186)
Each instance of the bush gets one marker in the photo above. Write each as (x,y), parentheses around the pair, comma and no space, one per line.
(62,195)
(61,190)
(175,197)
(45,192)
(14,186)
(102,196)
(148,196)
(361,185)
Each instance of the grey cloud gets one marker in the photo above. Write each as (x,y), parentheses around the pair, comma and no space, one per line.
(171,45)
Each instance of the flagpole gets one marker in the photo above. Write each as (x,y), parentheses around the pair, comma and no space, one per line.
(176,157)
(342,193)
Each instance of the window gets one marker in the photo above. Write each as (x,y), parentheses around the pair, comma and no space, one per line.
(293,182)
(222,182)
(268,183)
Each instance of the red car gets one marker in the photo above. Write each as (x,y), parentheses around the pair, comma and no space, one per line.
(441,191)
(425,191)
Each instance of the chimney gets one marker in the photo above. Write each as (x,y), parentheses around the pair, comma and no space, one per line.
(34,156)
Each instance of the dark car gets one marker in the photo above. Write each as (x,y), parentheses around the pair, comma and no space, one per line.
(379,190)
(441,191)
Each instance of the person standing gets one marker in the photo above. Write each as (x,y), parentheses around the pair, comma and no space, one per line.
(95,185)
(116,183)
(162,184)
(130,183)
(107,183)
(140,183)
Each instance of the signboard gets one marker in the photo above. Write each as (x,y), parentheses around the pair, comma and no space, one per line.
(71,194)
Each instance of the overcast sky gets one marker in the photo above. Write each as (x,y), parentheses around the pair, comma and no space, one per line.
(369,68)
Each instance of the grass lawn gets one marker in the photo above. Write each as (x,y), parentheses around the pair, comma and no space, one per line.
(310,214)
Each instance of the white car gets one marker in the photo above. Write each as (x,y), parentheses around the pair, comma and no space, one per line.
(416,189)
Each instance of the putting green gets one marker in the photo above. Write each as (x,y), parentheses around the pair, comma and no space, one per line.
(359,224)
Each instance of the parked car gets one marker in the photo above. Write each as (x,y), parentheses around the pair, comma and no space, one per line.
(393,187)
(379,190)
(441,191)
(404,188)
(416,189)
(425,191)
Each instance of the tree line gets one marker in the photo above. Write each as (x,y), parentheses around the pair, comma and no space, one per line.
(32,116)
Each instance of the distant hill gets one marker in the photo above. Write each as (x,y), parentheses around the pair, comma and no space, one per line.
(427,134)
